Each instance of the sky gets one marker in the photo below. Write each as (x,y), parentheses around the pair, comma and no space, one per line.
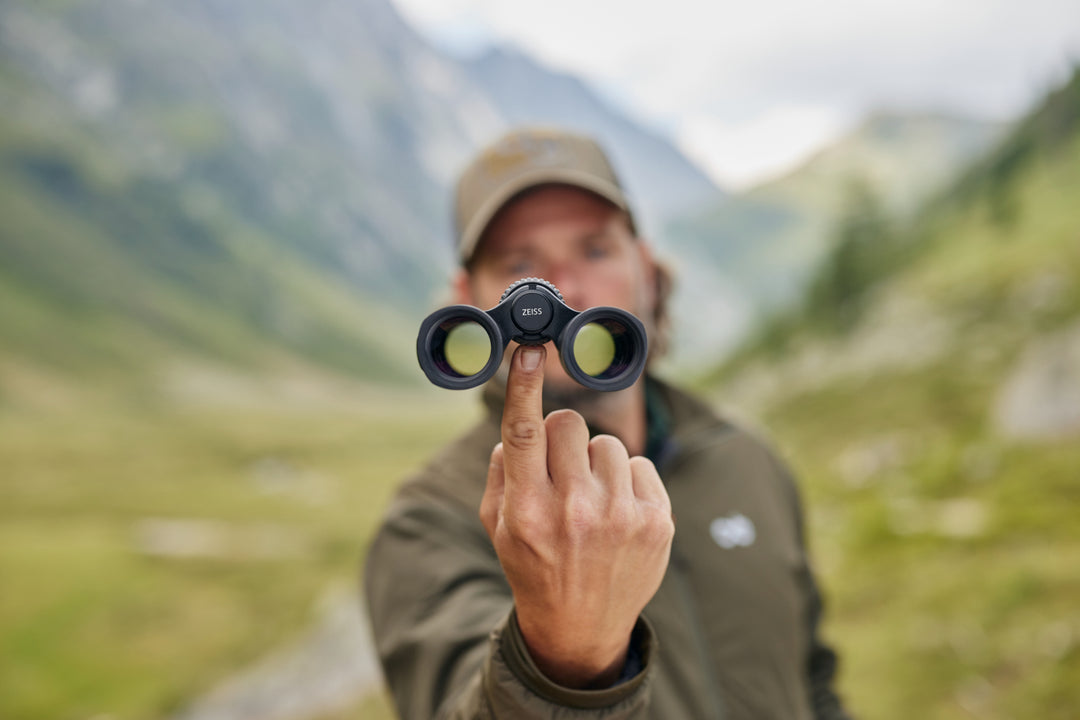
(749,89)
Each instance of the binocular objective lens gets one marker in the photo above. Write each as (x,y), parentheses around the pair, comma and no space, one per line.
(594,349)
(608,348)
(466,348)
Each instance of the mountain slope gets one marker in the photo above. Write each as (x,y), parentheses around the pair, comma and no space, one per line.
(937,438)
(252,183)
(659,179)
(768,240)
(108,277)
(186,182)
(234,98)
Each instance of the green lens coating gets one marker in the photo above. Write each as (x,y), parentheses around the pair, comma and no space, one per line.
(594,349)
(467,348)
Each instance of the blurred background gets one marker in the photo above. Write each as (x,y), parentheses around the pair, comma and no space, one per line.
(221,222)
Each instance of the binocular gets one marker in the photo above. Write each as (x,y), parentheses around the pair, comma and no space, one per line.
(461,346)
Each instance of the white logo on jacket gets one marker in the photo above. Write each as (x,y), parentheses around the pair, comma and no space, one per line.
(734,531)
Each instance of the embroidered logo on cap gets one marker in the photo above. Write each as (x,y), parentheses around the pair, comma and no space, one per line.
(522,152)
(732,532)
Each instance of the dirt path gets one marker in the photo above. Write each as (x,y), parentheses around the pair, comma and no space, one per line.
(328,670)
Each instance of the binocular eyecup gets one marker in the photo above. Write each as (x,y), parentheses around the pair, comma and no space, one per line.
(461,346)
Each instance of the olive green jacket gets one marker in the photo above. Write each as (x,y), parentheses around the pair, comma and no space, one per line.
(731,633)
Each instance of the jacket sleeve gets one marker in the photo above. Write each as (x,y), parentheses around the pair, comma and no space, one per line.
(821,664)
(443,622)
(821,660)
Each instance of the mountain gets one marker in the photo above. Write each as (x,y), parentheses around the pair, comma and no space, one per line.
(767,241)
(211,181)
(264,186)
(659,179)
(903,157)
(305,119)
(936,435)
(253,183)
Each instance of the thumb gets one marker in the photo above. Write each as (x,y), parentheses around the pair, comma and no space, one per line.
(492,502)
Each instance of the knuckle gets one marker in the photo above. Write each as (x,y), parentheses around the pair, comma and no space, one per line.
(607,452)
(569,477)
(665,527)
(565,421)
(606,443)
(581,515)
(522,433)
(598,447)
(522,524)
(622,514)
(658,526)
(643,466)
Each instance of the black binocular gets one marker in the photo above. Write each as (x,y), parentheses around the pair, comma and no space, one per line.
(461,346)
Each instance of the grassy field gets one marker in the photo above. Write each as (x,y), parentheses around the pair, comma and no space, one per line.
(949,557)
(950,550)
(97,619)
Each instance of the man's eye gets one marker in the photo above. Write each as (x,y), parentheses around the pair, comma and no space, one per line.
(596,252)
(518,267)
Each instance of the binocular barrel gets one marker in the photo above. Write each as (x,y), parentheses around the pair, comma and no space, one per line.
(461,346)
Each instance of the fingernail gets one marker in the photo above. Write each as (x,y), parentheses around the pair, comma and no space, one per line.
(530,358)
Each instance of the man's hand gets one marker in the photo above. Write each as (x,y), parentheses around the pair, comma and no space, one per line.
(583,532)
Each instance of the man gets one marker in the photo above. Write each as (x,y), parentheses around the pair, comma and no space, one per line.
(626,555)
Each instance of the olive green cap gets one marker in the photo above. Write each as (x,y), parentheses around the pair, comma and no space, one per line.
(524,159)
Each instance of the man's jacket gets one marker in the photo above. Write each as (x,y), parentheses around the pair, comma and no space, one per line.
(731,633)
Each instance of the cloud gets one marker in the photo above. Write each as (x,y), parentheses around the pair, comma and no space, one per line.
(736,69)
(741,154)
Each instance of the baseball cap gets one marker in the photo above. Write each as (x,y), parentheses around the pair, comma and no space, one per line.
(523,159)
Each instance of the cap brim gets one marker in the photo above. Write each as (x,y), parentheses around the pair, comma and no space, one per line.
(470,237)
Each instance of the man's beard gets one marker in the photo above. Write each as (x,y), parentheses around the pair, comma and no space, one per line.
(573,396)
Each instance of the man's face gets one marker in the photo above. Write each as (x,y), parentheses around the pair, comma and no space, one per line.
(573,239)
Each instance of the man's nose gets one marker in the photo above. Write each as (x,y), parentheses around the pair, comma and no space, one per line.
(570,284)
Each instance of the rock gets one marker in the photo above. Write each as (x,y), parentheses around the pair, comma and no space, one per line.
(202,538)
(900,333)
(957,518)
(1040,399)
(864,463)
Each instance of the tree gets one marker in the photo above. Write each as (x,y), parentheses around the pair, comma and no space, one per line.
(862,244)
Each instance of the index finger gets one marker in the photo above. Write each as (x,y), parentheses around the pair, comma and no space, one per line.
(523,436)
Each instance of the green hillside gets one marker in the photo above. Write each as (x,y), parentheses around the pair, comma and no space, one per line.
(109,275)
(151,232)
(933,409)
(768,239)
